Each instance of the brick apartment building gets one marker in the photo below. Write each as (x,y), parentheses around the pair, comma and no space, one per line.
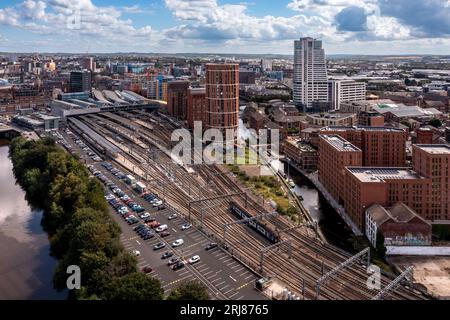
(365,186)
(196,106)
(177,99)
(336,153)
(303,155)
(381,146)
(222,96)
(423,188)
(433,162)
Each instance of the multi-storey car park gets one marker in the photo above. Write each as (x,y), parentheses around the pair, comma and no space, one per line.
(204,195)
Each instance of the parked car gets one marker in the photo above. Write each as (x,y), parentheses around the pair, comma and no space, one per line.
(148,236)
(139,227)
(178,243)
(157,203)
(162,228)
(186,226)
(194,259)
(147,269)
(164,234)
(173,261)
(211,246)
(172,216)
(159,246)
(167,255)
(137,253)
(154,224)
(145,215)
(178,265)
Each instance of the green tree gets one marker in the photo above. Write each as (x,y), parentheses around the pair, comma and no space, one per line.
(134,286)
(435,123)
(193,290)
(381,249)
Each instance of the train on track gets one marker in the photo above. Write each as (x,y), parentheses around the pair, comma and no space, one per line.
(256,225)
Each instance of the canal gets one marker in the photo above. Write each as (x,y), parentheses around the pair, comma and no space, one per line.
(331,224)
(26,267)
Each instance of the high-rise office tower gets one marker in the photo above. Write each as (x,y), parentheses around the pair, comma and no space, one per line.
(222,96)
(310,74)
(80,81)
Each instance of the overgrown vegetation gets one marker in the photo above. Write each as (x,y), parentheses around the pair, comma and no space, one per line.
(270,188)
(76,218)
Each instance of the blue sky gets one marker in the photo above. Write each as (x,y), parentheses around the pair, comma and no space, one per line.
(225,26)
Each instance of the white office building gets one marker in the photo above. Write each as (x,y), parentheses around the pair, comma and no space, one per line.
(345,91)
(310,73)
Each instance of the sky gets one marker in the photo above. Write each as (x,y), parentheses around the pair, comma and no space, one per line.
(225,26)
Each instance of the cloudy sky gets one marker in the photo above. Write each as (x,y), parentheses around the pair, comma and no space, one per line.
(225,26)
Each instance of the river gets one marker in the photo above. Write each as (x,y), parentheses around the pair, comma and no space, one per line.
(26,268)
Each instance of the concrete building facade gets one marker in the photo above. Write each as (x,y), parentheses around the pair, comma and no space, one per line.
(310,73)
(341,91)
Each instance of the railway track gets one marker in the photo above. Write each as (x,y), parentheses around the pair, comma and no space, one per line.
(310,258)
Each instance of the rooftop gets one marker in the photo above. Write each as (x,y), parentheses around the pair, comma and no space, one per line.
(364,128)
(301,145)
(400,110)
(331,115)
(434,148)
(399,213)
(367,174)
(340,143)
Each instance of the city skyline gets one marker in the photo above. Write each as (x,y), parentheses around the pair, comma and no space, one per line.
(375,27)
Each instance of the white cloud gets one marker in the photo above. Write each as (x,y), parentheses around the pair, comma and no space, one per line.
(51,17)
(202,25)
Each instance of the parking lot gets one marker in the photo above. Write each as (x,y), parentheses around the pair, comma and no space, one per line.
(224,277)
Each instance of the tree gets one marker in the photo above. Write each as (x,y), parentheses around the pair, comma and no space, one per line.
(134,286)
(381,249)
(435,123)
(193,290)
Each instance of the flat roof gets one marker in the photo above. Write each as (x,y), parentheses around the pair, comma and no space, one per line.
(331,116)
(368,174)
(340,143)
(364,128)
(301,145)
(434,148)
